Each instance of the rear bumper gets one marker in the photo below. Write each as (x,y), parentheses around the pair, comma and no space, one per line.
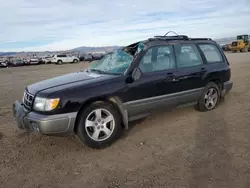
(227,86)
(62,124)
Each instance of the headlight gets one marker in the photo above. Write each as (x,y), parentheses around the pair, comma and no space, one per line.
(43,104)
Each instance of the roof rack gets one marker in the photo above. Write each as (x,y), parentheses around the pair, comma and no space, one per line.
(200,39)
(179,37)
(176,37)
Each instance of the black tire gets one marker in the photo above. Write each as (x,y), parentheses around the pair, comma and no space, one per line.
(75,61)
(81,130)
(201,103)
(59,62)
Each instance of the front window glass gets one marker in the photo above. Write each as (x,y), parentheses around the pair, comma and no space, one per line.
(158,58)
(113,63)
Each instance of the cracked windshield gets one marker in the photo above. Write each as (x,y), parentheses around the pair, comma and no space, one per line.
(115,63)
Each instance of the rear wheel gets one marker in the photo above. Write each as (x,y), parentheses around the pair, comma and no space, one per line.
(75,61)
(99,125)
(59,62)
(210,97)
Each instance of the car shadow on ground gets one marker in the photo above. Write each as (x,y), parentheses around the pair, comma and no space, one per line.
(159,115)
(211,162)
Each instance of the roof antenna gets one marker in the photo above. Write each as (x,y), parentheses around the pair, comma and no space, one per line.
(171,32)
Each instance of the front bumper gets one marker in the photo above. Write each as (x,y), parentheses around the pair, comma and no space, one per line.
(45,124)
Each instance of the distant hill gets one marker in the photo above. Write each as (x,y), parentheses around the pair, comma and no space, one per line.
(8,53)
(88,49)
(95,49)
(227,40)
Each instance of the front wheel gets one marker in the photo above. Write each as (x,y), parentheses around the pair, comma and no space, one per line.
(99,125)
(209,97)
(75,61)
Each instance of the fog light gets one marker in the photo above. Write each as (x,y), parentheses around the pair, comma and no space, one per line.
(35,127)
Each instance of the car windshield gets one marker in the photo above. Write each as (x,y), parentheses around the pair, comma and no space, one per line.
(113,63)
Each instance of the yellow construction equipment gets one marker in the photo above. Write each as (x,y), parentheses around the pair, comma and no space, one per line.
(242,44)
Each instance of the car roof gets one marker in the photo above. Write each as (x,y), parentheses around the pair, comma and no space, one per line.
(176,39)
(161,40)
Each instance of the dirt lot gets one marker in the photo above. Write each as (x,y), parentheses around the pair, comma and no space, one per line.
(183,148)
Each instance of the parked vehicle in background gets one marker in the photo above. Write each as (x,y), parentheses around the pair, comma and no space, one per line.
(242,44)
(47,60)
(163,72)
(40,60)
(96,56)
(16,62)
(33,61)
(4,63)
(85,57)
(226,47)
(26,61)
(60,59)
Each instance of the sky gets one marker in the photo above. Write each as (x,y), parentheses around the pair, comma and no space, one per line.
(46,25)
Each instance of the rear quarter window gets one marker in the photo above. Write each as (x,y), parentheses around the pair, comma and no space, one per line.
(211,53)
(61,55)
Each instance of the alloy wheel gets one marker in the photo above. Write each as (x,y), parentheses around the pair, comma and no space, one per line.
(211,98)
(99,124)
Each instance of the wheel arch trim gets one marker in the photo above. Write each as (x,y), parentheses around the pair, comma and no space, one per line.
(114,100)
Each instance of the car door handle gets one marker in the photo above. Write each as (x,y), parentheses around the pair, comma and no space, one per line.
(170,77)
(203,70)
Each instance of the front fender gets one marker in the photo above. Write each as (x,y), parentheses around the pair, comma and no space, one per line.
(122,110)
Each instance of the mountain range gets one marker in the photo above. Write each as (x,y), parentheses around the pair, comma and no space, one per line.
(88,49)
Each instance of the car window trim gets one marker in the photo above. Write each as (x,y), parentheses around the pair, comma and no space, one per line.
(205,59)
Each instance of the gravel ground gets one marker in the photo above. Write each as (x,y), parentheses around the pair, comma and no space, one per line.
(182,148)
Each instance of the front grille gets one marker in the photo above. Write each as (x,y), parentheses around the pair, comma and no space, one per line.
(28,100)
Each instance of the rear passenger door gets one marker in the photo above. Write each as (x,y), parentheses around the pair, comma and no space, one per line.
(190,71)
(69,58)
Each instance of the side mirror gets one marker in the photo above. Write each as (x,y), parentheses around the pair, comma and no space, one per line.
(136,74)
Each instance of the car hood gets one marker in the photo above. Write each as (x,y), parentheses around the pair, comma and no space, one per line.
(65,80)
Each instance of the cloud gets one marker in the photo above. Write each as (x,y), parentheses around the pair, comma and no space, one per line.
(64,24)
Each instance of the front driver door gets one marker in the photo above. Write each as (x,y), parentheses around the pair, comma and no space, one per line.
(156,87)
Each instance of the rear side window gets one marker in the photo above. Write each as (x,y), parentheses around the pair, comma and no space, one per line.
(61,55)
(211,52)
(187,55)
